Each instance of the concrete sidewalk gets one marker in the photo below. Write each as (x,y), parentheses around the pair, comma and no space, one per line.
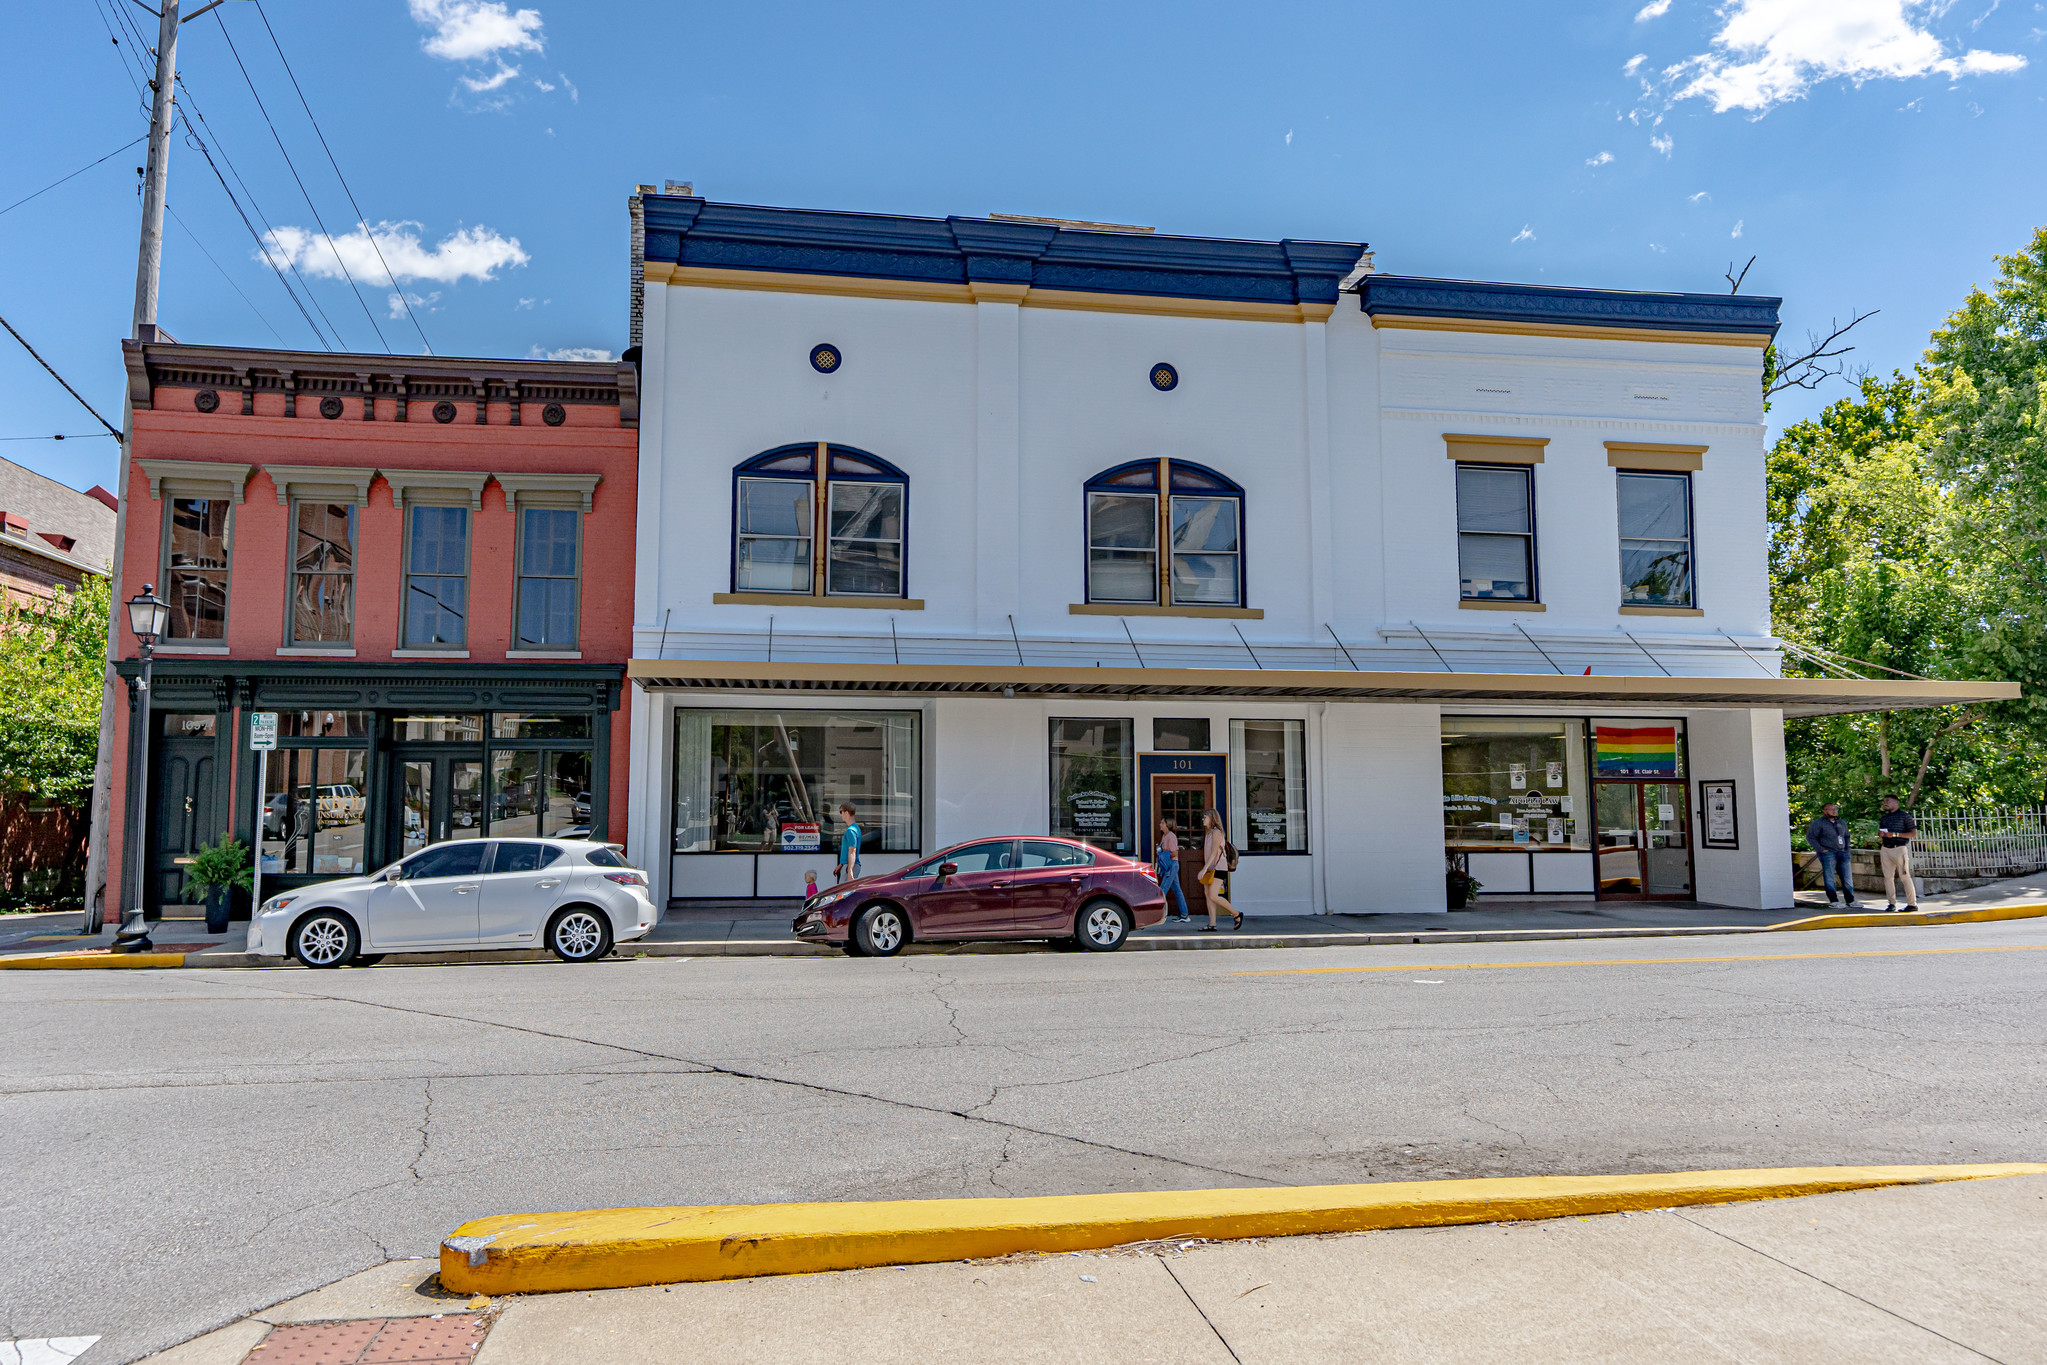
(1949,1272)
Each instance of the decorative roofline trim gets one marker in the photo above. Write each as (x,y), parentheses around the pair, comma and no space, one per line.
(1756,340)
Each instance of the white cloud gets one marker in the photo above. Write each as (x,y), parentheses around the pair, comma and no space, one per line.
(1289,137)
(570,353)
(1771,51)
(575,95)
(1526,234)
(427,302)
(480,84)
(1700,196)
(1602,159)
(474,253)
(1663,143)
(468,30)
(1737,227)
(1658,247)
(1634,63)
(1655,9)
(527,303)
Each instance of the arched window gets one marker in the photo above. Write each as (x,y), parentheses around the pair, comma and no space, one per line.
(1200,520)
(788,501)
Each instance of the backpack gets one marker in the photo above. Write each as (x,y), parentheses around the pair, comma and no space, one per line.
(1229,855)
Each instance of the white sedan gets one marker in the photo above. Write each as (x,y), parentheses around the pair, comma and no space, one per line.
(577,897)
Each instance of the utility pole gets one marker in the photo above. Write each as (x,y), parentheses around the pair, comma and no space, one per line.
(148,271)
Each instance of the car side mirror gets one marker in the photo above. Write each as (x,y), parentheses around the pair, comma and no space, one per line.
(948,869)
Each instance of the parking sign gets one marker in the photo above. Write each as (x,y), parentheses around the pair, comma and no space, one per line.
(262,731)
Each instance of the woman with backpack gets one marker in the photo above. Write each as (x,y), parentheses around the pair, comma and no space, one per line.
(1218,859)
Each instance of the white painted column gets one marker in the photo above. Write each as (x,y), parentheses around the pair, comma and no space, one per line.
(646,827)
(654,385)
(997,464)
(1315,397)
(1747,747)
(1383,840)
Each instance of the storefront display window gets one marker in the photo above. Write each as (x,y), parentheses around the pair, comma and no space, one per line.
(324,724)
(1094,772)
(444,729)
(1268,773)
(314,812)
(772,781)
(513,725)
(1513,785)
(538,792)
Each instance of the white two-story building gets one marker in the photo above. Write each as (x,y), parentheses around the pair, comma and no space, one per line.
(996,526)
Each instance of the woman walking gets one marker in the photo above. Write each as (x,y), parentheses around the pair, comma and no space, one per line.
(1215,865)
(1169,869)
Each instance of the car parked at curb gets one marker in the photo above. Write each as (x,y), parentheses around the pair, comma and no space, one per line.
(576,897)
(1024,887)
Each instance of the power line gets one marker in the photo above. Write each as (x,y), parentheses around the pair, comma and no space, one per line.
(120,57)
(223,273)
(73,176)
(359,216)
(60,379)
(67,436)
(306,194)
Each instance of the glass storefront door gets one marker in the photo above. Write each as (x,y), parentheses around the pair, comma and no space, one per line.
(438,797)
(1644,844)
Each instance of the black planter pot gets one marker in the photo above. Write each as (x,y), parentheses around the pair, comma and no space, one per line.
(1457,888)
(216,911)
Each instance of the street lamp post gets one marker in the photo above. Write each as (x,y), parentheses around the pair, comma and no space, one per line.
(147,616)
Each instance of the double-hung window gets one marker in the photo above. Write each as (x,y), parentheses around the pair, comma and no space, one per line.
(1194,512)
(1496,532)
(195,567)
(436,577)
(819,520)
(550,539)
(322,572)
(1656,539)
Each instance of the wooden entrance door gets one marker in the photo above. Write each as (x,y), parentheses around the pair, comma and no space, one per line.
(183,803)
(1182,799)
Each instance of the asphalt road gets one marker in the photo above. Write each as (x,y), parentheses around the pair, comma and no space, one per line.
(182,1148)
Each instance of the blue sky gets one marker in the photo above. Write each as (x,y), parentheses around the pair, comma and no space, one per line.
(1869,153)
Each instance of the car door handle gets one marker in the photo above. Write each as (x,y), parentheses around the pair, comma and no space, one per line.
(1075,880)
(997,886)
(464,890)
(549,884)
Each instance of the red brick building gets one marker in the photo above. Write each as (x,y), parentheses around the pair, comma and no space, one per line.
(423,565)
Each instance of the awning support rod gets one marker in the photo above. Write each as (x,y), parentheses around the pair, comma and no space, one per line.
(1342,646)
(1245,643)
(1015,641)
(1538,648)
(1751,658)
(1645,649)
(1133,641)
(1432,648)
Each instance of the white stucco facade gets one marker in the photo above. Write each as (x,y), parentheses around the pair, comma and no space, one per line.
(999,402)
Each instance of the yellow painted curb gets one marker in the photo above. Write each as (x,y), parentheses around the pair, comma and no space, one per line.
(612,1248)
(1884,918)
(89,961)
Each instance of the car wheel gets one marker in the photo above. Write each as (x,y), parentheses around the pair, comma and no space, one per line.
(579,934)
(881,931)
(1101,926)
(324,939)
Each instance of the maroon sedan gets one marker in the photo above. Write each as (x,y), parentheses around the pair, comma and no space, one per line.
(991,888)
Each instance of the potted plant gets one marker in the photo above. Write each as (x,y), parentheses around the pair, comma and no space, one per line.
(1458,883)
(216,870)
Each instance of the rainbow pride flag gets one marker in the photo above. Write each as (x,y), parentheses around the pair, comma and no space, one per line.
(1637,751)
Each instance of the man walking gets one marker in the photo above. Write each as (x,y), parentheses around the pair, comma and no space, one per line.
(1828,836)
(1895,829)
(849,846)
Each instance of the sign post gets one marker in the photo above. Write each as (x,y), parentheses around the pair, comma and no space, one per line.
(262,739)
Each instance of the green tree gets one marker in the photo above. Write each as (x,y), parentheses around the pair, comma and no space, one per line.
(52,662)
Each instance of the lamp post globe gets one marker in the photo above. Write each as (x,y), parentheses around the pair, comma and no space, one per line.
(148,617)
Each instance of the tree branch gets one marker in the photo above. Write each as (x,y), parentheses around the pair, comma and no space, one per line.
(1960,722)
(1809,369)
(1734,280)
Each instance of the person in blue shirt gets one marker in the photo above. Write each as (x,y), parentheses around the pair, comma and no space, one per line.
(849,845)
(1828,835)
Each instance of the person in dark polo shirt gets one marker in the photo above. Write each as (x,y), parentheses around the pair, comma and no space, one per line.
(1895,829)
(1828,835)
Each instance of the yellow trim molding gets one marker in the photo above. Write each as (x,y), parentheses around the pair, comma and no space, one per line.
(1644,455)
(1494,449)
(919,291)
(792,599)
(1477,604)
(1139,609)
(1661,611)
(1396,322)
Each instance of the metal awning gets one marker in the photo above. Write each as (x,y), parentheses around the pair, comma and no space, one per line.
(1795,696)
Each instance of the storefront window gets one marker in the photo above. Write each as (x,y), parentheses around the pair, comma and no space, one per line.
(1514,785)
(536,792)
(1094,773)
(1269,777)
(512,725)
(313,812)
(772,781)
(324,724)
(447,729)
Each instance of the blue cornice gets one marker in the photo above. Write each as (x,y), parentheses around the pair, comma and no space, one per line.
(1408,296)
(694,232)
